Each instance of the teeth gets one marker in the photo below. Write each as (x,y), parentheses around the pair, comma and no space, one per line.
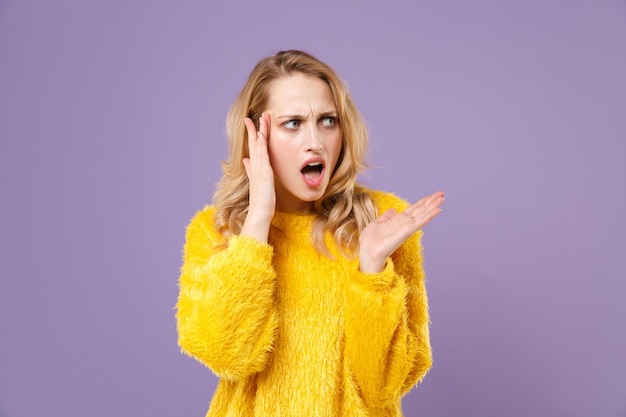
(314,164)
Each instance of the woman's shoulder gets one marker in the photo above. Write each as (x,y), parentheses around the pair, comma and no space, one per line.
(384,200)
(204,216)
(203,221)
(202,227)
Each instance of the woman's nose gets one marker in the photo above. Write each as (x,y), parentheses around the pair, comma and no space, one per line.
(314,140)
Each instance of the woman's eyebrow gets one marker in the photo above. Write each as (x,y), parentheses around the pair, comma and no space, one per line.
(291,116)
(301,117)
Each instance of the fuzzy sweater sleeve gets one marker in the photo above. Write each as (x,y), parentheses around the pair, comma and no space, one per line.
(226,316)
(387,336)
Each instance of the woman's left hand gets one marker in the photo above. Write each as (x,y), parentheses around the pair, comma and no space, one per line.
(383,236)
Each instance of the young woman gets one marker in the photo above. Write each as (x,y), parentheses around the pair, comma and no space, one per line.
(302,291)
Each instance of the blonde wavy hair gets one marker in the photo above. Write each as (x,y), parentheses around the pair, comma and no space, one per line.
(344,209)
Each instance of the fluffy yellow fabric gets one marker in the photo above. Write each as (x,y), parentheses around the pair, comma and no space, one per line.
(291,332)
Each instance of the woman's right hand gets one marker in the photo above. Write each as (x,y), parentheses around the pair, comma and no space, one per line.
(262,202)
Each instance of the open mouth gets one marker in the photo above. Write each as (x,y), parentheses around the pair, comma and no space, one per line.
(313,171)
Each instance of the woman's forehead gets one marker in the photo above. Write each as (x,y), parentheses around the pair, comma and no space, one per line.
(300,94)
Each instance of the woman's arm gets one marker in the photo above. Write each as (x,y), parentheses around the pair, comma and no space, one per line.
(225,311)
(387,338)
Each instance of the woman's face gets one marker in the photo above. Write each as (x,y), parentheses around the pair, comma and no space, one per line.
(304,140)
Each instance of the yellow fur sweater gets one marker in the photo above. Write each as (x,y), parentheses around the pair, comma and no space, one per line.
(290,332)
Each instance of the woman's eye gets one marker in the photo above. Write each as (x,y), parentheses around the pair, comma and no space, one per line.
(329,121)
(292,124)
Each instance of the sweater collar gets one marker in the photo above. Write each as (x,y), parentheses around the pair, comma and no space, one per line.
(293,222)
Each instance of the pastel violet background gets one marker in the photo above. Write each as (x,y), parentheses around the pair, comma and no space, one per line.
(112,131)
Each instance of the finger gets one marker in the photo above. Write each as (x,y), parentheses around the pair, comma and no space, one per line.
(261,143)
(251,130)
(421,217)
(264,128)
(430,201)
(264,124)
(261,139)
(427,218)
(435,201)
(414,208)
(427,210)
(437,198)
(246,165)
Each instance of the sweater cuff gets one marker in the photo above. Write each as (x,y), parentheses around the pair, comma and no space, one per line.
(251,248)
(244,257)
(382,281)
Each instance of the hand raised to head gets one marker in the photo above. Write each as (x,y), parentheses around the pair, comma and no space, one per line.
(262,200)
(384,235)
